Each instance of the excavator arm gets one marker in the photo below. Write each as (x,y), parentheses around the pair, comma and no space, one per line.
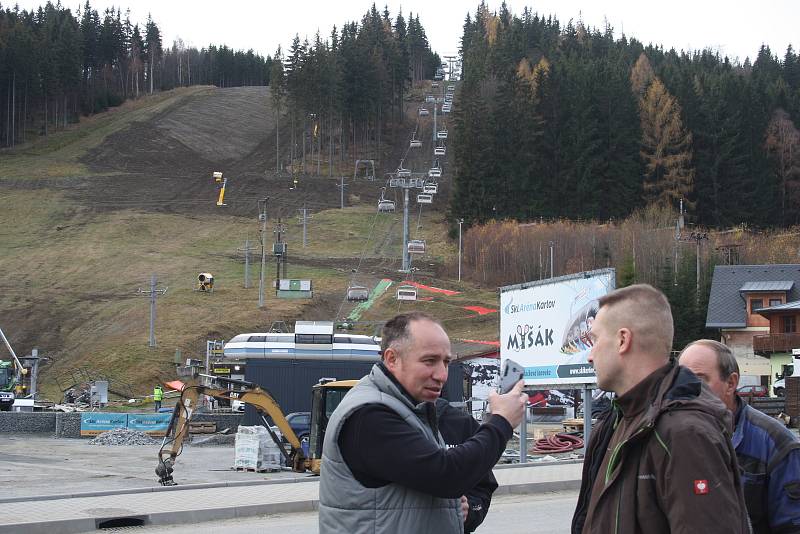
(261,400)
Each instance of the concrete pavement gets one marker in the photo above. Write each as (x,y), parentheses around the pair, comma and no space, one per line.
(85,512)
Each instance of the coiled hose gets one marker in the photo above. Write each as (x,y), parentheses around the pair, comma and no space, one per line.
(557,443)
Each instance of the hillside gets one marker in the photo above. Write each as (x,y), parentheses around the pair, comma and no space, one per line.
(90,213)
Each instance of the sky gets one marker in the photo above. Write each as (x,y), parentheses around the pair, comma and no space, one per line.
(734,27)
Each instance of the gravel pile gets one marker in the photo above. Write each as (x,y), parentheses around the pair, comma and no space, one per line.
(123,436)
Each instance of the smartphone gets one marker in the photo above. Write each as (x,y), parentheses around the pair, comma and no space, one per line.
(511,374)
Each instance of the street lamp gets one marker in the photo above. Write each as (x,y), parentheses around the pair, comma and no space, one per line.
(460,222)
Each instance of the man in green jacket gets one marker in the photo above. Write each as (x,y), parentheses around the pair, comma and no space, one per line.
(661,460)
(158,396)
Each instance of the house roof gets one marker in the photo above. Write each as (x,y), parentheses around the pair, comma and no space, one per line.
(726,304)
(789,306)
(772,285)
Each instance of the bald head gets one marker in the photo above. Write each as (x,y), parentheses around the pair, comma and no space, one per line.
(645,311)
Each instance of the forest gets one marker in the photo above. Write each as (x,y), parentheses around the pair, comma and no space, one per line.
(568,121)
(56,66)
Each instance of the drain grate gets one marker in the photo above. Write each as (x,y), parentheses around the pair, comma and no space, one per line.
(120,522)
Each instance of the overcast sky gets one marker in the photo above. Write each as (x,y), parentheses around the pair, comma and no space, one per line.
(735,27)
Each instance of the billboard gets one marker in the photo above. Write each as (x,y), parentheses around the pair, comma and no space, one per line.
(544,326)
(94,423)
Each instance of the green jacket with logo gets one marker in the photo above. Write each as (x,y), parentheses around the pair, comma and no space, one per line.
(662,461)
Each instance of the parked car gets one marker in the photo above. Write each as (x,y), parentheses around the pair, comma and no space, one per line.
(779,387)
(753,391)
(300,423)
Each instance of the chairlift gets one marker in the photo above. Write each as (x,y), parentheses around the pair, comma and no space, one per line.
(424,198)
(403,173)
(357,293)
(439,151)
(416,246)
(415,143)
(430,99)
(369,169)
(441,134)
(406,293)
(386,206)
(430,189)
(434,85)
(435,172)
(423,112)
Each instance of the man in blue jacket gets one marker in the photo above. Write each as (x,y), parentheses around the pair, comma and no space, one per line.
(768,453)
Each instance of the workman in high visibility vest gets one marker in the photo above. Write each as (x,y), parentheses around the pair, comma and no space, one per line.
(158,395)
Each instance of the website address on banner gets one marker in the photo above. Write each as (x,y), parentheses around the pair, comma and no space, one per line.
(581,370)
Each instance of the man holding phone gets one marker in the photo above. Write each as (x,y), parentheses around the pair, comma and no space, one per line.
(386,467)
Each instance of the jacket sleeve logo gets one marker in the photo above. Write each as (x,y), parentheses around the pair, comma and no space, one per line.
(701,487)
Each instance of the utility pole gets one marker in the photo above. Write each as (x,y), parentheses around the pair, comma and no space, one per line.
(551,260)
(153,293)
(280,254)
(697,237)
(304,219)
(341,187)
(262,217)
(460,222)
(246,250)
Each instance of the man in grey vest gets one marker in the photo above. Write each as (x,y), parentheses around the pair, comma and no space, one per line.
(385,466)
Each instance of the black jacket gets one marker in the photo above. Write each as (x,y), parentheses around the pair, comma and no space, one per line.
(456,427)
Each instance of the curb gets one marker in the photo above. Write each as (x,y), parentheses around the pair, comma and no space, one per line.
(157,489)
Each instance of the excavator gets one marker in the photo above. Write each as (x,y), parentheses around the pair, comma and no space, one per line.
(12,378)
(325,397)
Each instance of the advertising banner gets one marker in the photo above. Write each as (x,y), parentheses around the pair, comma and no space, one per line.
(154,424)
(94,423)
(544,326)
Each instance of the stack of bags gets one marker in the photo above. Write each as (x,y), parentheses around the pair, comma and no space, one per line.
(254,449)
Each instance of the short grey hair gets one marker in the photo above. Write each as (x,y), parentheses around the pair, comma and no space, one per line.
(726,361)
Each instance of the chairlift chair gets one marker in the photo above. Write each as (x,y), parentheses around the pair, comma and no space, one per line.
(415,143)
(430,99)
(403,173)
(435,172)
(441,134)
(357,293)
(424,198)
(416,246)
(423,112)
(430,189)
(406,293)
(439,151)
(386,206)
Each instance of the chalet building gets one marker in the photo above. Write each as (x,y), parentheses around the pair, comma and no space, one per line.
(755,308)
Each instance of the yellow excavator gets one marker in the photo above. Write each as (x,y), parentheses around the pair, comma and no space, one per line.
(325,397)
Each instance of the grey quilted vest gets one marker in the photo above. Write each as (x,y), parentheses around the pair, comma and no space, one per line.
(347,507)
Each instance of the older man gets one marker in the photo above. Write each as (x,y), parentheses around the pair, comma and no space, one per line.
(386,467)
(768,453)
(661,460)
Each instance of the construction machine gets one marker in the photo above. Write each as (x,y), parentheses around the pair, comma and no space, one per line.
(12,375)
(325,397)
